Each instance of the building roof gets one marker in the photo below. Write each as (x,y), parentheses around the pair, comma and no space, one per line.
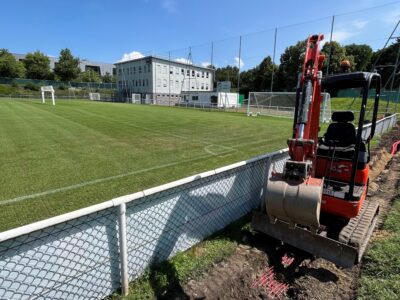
(164,59)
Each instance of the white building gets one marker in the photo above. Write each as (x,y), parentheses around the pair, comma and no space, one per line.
(160,79)
(208,99)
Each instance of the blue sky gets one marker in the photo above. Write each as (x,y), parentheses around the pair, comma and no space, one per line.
(106,30)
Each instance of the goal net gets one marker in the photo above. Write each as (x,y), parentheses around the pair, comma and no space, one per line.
(282,104)
(94,96)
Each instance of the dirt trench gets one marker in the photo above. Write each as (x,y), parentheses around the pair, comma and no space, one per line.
(247,273)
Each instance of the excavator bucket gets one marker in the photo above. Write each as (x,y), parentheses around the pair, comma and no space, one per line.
(345,251)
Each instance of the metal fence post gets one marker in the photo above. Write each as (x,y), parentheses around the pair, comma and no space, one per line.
(123,250)
(266,174)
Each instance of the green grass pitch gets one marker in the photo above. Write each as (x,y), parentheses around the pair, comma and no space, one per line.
(79,153)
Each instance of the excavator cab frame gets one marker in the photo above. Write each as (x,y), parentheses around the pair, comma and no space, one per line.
(357,80)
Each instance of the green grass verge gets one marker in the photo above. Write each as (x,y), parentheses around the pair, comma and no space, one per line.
(170,275)
(55,159)
(380,276)
(355,105)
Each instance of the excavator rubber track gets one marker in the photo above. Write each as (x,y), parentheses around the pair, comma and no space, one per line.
(359,229)
(344,252)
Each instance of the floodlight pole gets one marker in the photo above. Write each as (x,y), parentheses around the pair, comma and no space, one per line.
(212,53)
(169,78)
(395,67)
(240,53)
(273,59)
(330,46)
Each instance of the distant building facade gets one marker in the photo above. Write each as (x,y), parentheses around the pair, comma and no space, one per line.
(160,79)
(100,67)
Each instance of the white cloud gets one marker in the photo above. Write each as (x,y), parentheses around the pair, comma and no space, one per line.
(359,24)
(239,62)
(170,6)
(183,60)
(338,36)
(131,55)
(205,64)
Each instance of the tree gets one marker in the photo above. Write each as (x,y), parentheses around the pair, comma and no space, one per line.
(108,78)
(9,66)
(90,76)
(335,56)
(385,59)
(291,64)
(37,65)
(263,74)
(362,56)
(67,67)
(247,80)
(227,73)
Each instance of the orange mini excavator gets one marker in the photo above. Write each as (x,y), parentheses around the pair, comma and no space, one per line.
(319,202)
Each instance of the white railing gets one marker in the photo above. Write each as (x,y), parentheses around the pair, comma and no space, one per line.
(91,252)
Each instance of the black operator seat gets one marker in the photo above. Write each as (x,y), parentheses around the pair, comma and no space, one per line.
(340,138)
(342,133)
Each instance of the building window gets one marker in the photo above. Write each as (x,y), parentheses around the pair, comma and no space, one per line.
(131,70)
(158,69)
(207,74)
(206,86)
(119,71)
(195,98)
(177,83)
(202,75)
(140,69)
(165,69)
(171,70)
(192,73)
(149,68)
(159,82)
(183,71)
(188,72)
(165,83)
(134,70)
(176,70)
(202,86)
(198,74)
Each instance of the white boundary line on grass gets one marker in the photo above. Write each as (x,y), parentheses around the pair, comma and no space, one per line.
(90,182)
(95,181)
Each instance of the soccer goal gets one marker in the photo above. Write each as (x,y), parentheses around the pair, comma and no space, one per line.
(282,104)
(49,89)
(94,96)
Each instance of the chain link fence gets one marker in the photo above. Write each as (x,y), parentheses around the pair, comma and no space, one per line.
(90,253)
